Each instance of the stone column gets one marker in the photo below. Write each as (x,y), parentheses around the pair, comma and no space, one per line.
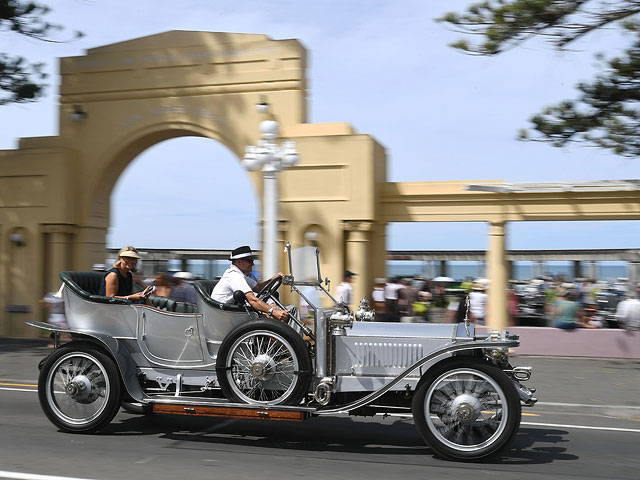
(497,316)
(57,253)
(593,270)
(633,274)
(576,269)
(443,268)
(358,253)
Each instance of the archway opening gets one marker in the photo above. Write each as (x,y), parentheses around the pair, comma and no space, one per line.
(185,193)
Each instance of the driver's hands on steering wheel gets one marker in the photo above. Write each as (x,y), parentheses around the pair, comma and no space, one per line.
(280,314)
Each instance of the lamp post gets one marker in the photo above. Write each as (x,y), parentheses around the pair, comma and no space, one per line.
(271,158)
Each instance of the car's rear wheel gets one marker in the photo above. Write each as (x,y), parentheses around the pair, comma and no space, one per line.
(79,388)
(264,362)
(466,409)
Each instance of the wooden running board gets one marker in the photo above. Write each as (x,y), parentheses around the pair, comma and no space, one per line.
(231,412)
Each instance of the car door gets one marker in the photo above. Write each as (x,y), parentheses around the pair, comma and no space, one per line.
(170,339)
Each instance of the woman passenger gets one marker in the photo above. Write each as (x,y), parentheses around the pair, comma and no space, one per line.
(118,281)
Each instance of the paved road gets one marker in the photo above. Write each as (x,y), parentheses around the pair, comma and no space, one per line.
(586,426)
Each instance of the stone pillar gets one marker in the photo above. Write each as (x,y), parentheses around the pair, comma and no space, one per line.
(633,273)
(57,258)
(577,272)
(497,315)
(538,268)
(358,259)
(443,268)
(593,270)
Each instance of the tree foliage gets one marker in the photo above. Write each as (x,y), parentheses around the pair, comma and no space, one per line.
(606,113)
(21,81)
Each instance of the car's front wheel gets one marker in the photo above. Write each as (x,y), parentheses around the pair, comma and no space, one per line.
(265,362)
(466,409)
(79,388)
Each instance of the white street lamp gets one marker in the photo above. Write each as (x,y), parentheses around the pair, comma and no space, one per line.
(271,158)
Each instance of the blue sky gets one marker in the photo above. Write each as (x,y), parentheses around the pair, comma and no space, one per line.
(382,66)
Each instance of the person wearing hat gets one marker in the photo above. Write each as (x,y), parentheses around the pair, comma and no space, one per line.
(344,291)
(239,277)
(118,281)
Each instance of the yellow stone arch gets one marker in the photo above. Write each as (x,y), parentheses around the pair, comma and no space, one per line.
(118,100)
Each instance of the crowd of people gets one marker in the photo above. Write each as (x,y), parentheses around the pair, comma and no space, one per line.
(582,303)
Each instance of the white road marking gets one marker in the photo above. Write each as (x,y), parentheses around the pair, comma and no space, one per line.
(19,389)
(583,427)
(588,405)
(33,476)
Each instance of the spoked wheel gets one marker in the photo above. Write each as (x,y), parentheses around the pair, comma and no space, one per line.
(264,362)
(79,388)
(466,409)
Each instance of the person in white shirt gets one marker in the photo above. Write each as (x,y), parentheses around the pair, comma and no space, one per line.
(344,292)
(478,303)
(628,313)
(391,290)
(239,276)
(378,299)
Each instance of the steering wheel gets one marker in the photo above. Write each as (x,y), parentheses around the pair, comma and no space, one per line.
(270,288)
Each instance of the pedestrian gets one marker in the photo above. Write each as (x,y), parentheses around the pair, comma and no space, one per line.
(407,297)
(565,310)
(54,303)
(478,303)
(391,290)
(344,291)
(378,299)
(628,312)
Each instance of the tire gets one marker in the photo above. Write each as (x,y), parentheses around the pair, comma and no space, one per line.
(466,409)
(79,388)
(264,362)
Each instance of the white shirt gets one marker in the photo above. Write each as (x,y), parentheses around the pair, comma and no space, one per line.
(391,291)
(478,304)
(233,279)
(378,294)
(628,312)
(343,292)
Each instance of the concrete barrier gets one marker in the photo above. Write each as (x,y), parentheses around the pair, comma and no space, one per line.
(581,342)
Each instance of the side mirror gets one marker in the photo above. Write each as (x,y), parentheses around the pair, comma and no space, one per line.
(239,297)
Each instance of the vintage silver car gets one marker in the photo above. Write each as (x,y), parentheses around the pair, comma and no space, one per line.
(225,360)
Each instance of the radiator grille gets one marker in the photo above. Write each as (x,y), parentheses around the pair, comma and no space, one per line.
(387,354)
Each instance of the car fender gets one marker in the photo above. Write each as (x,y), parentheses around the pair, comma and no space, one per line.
(113,347)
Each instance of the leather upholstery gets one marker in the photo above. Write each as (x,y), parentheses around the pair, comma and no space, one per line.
(171,305)
(87,285)
(204,289)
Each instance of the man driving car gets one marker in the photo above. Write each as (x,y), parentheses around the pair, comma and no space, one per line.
(239,277)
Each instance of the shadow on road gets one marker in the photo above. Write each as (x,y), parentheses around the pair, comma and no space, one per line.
(338,435)
(534,446)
